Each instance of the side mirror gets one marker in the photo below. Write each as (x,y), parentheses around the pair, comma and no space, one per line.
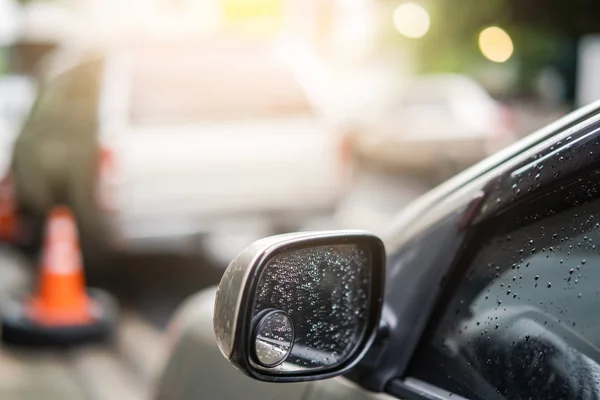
(301,306)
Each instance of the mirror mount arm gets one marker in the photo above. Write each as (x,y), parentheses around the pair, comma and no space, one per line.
(361,372)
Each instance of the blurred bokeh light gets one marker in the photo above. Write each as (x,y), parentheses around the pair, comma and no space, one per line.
(411,20)
(495,44)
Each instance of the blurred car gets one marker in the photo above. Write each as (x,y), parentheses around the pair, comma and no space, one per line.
(489,292)
(161,146)
(439,123)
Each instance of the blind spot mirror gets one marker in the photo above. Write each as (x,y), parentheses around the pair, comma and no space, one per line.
(301,306)
(273,338)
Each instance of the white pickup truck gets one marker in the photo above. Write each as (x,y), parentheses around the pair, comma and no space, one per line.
(200,144)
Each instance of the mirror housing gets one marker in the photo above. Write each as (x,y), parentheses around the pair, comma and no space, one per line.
(301,306)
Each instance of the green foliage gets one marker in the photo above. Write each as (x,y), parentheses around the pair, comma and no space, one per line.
(535,48)
(451,44)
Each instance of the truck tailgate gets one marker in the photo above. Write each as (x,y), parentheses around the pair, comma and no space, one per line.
(208,169)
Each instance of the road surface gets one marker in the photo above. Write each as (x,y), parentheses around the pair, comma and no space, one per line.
(128,367)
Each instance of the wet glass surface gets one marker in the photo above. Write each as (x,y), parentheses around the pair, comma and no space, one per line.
(325,290)
(523,322)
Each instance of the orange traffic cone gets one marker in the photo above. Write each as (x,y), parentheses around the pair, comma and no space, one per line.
(61,298)
(8,218)
(62,312)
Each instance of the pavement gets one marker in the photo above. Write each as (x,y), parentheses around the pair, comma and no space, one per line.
(128,367)
(154,285)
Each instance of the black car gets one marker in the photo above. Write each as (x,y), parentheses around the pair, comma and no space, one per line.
(488,291)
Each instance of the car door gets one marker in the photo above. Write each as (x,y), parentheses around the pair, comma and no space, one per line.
(492,284)
(451,326)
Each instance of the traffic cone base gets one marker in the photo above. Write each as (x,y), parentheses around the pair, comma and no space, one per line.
(19,329)
(61,306)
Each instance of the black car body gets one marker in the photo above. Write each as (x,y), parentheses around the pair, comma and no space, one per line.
(491,289)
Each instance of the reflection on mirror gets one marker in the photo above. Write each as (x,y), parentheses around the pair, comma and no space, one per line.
(273,338)
(320,295)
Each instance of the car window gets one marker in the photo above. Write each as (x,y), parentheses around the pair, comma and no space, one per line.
(185,84)
(522,320)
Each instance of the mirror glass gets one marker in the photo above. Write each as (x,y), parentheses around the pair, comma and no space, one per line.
(317,297)
(273,339)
